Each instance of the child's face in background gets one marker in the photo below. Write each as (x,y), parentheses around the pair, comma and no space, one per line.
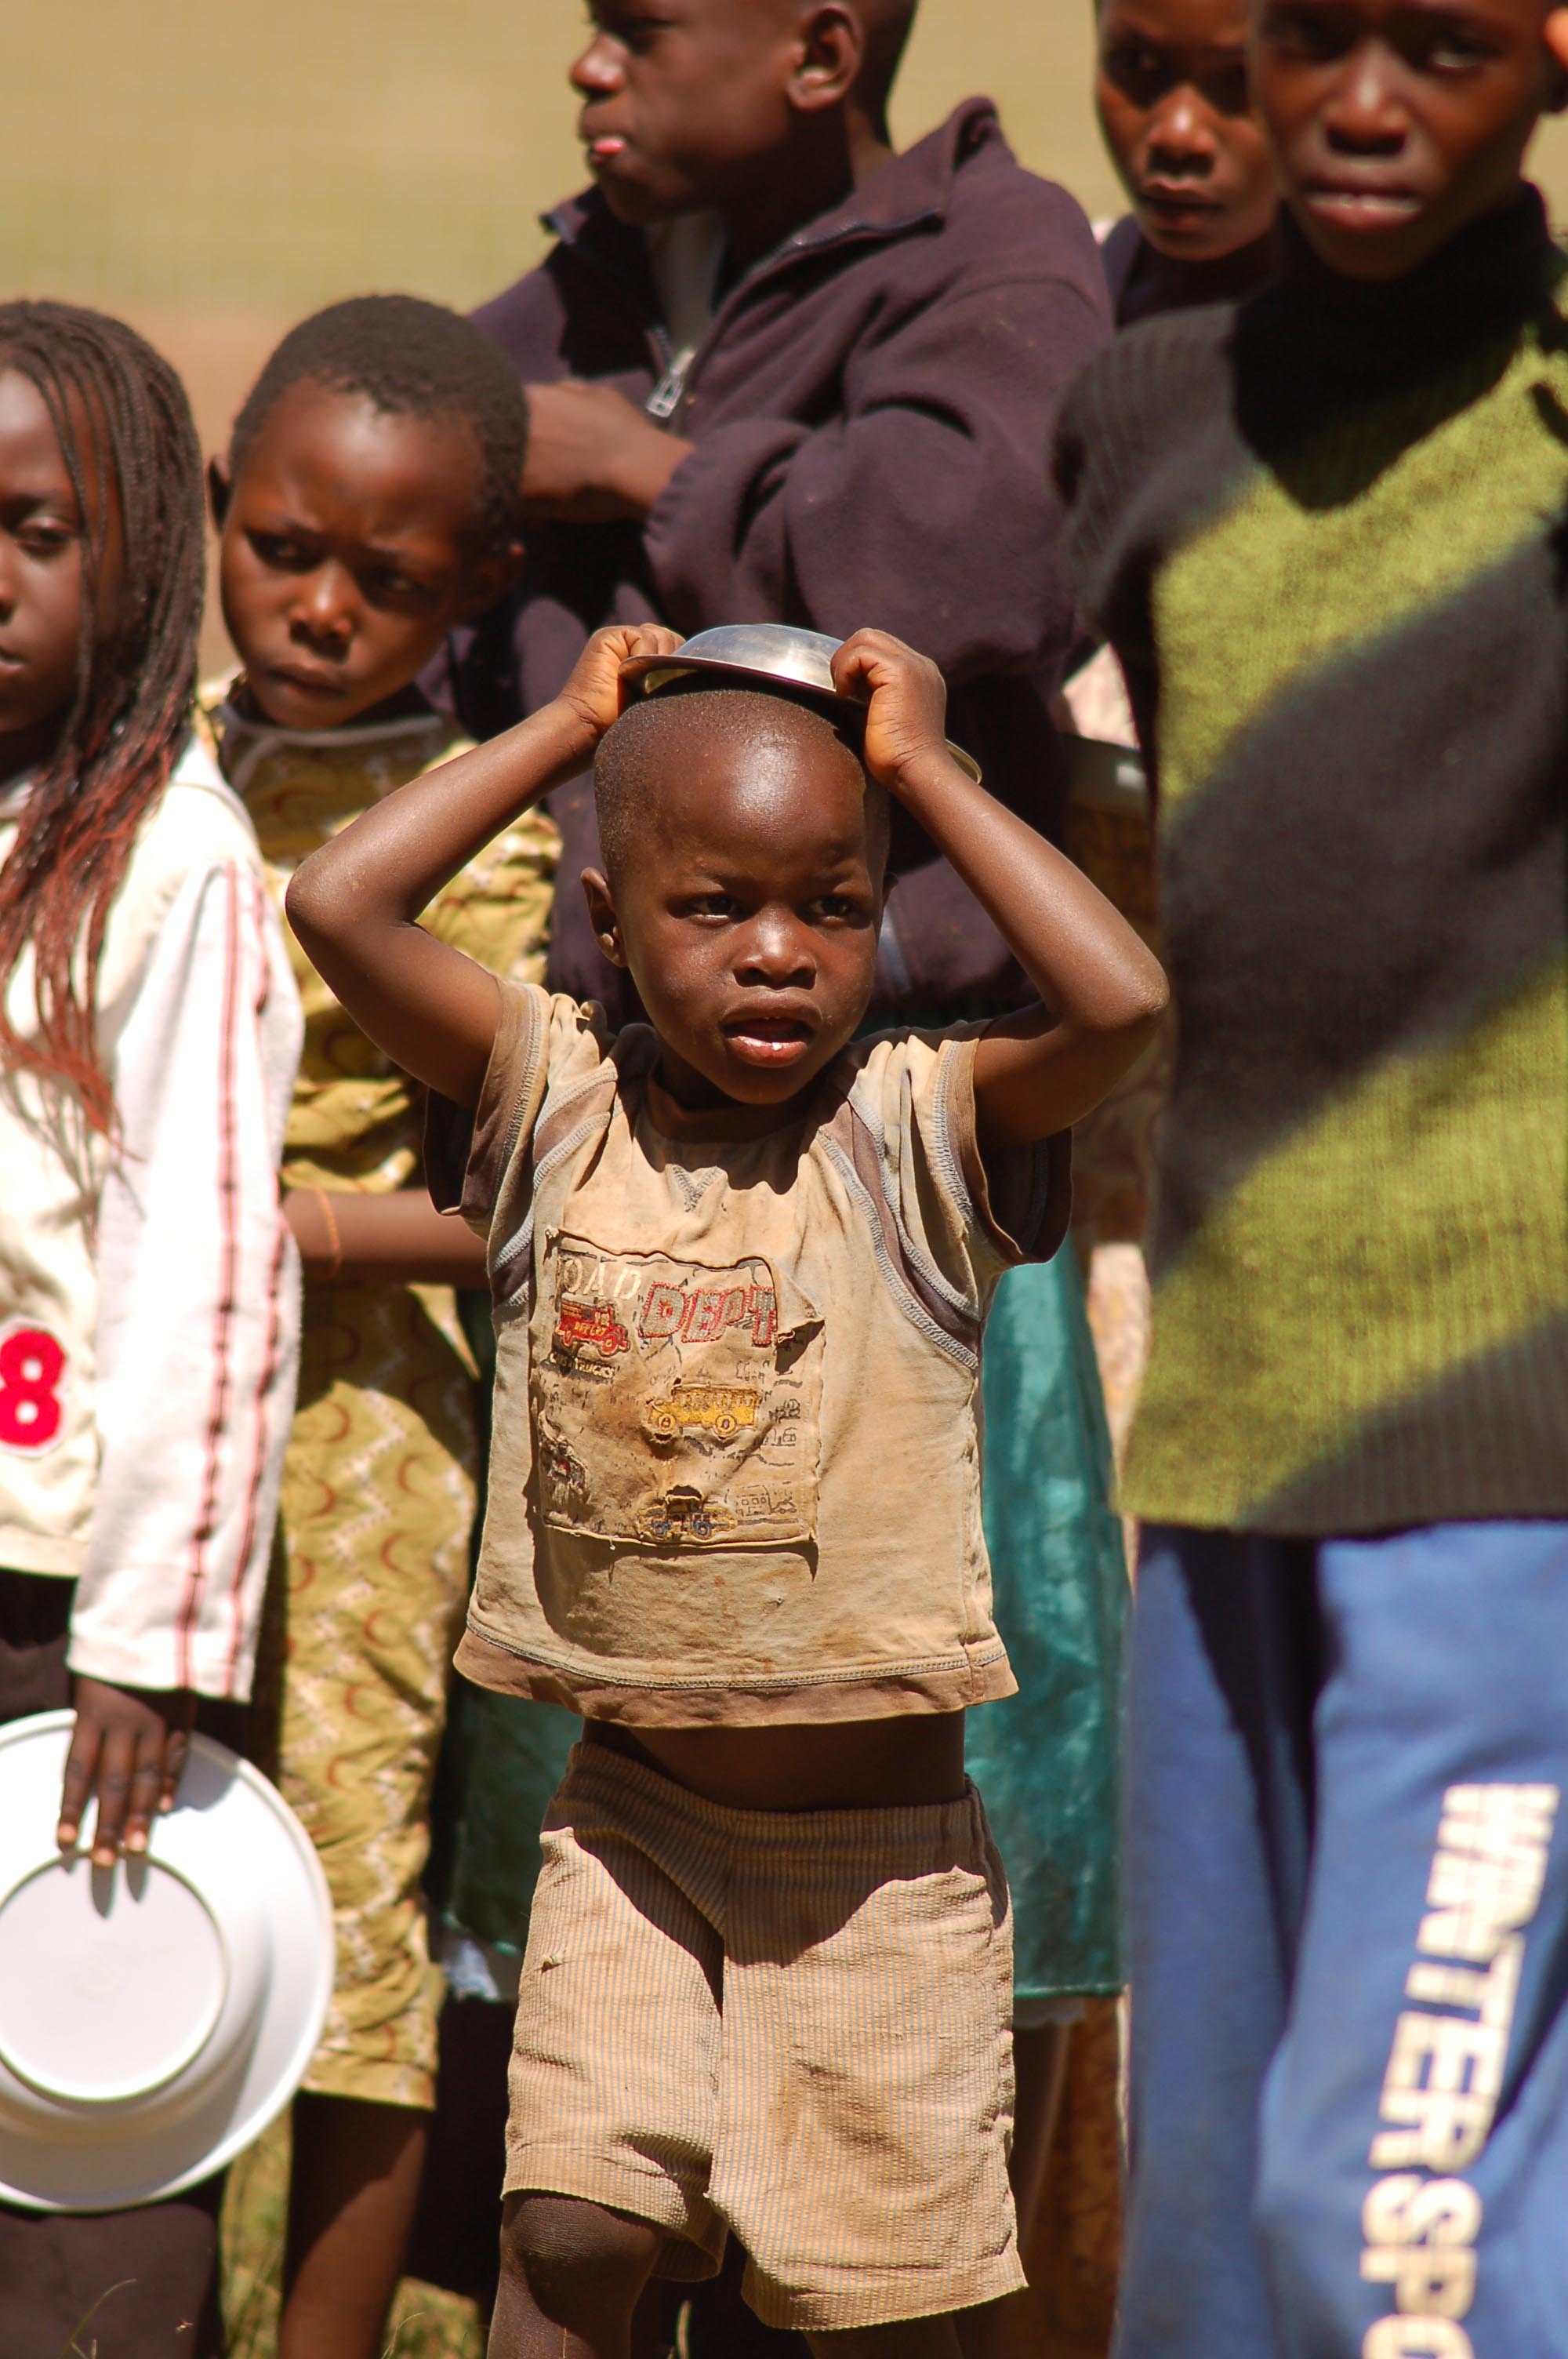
(348,553)
(1394,123)
(684,102)
(749,918)
(1171,90)
(42,560)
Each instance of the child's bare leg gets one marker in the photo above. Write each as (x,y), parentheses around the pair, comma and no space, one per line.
(911,2338)
(1039,2066)
(1040,2063)
(355,2184)
(570,2276)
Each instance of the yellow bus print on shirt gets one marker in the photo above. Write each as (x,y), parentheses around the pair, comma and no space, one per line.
(719,1409)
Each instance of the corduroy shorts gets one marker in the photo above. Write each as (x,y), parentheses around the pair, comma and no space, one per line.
(795,2025)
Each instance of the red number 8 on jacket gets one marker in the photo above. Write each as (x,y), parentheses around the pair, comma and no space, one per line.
(31,1364)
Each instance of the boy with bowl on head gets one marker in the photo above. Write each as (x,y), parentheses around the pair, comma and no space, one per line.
(741,1263)
(1324,531)
(367,507)
(780,372)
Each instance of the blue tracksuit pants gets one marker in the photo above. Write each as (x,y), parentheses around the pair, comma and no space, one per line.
(1349,1882)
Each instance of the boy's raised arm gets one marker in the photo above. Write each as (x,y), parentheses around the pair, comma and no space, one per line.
(1103,993)
(356,905)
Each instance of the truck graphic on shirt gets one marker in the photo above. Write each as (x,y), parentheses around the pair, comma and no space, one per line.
(722,1410)
(684,1515)
(587,1326)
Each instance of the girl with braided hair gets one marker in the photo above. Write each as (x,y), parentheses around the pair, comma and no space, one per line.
(149,1030)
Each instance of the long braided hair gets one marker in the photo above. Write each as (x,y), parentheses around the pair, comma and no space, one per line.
(123,426)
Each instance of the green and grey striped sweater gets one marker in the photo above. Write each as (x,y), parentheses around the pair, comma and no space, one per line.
(1327,531)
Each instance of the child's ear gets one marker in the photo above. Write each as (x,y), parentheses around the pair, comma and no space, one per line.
(491,579)
(602,915)
(1554,33)
(220,489)
(832,52)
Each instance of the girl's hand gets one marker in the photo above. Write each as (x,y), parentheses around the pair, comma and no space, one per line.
(398,1239)
(128,1747)
(906,712)
(593,690)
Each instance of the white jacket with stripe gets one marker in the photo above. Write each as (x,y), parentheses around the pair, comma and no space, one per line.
(149,1289)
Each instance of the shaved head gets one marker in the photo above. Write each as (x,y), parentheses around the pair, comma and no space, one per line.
(745,855)
(661,744)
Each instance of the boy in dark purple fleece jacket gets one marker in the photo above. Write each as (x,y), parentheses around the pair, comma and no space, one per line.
(823,382)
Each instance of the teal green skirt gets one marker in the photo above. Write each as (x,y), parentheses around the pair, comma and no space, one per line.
(1046,1759)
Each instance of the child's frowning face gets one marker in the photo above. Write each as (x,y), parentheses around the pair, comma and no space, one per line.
(1394,123)
(1171,88)
(349,551)
(746,905)
(42,556)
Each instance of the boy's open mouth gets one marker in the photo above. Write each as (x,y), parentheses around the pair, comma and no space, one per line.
(767,1040)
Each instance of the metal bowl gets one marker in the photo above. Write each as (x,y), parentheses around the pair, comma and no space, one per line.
(758,655)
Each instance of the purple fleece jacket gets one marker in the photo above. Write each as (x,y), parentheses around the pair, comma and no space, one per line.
(872,411)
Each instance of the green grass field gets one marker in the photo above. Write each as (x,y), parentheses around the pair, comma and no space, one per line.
(214,171)
(171,152)
(160,154)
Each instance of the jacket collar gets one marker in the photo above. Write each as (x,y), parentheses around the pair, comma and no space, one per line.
(911,189)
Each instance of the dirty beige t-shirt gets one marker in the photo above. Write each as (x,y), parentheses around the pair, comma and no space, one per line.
(734,1475)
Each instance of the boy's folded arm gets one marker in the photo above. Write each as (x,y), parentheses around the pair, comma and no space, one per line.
(956,401)
(355,904)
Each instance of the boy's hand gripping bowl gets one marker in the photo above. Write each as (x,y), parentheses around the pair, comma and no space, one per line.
(758,654)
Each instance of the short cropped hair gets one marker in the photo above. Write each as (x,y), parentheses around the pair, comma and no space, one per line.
(639,752)
(412,359)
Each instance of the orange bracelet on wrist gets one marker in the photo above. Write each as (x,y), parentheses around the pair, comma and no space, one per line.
(331,1218)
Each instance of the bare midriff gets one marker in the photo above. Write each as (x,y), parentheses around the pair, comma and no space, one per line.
(829,1765)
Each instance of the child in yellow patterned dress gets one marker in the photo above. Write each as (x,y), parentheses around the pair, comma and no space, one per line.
(367,506)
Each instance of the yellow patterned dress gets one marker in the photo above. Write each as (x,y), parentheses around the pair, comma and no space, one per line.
(379,1482)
